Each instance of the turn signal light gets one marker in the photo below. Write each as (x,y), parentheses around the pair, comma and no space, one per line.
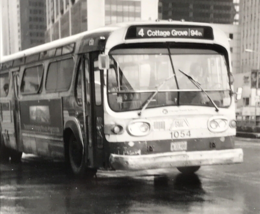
(233,124)
(117,129)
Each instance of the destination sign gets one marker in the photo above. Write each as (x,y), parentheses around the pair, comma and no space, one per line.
(179,31)
(165,32)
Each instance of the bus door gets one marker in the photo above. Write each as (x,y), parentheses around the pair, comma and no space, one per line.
(9,110)
(16,107)
(83,101)
(97,111)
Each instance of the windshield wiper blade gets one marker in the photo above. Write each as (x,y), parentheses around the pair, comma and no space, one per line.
(147,102)
(197,84)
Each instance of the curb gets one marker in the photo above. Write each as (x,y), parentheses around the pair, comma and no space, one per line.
(248,135)
(247,140)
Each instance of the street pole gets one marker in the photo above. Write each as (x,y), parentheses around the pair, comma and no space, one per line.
(256,101)
(1,32)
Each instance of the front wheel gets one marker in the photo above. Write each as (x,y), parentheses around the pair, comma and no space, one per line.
(76,156)
(77,162)
(188,169)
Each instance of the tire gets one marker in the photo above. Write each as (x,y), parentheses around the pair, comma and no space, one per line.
(76,159)
(7,153)
(16,156)
(188,169)
(76,156)
(4,151)
(91,172)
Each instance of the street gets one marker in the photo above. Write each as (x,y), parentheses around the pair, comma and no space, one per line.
(41,186)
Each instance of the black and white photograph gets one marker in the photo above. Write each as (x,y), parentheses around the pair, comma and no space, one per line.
(129,106)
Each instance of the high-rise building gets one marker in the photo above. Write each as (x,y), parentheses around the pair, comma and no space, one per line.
(220,11)
(23,24)
(249,76)
(68,17)
(225,13)
(250,34)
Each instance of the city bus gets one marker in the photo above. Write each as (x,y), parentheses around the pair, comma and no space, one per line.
(130,96)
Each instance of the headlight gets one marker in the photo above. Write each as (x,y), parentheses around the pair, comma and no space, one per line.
(139,128)
(218,124)
(213,124)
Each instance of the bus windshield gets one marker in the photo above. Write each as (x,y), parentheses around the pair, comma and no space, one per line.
(135,74)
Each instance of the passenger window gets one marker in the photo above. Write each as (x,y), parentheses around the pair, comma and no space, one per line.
(32,78)
(4,85)
(59,75)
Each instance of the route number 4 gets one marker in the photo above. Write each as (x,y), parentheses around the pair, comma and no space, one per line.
(141,32)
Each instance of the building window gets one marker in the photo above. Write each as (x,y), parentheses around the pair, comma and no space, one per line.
(246,101)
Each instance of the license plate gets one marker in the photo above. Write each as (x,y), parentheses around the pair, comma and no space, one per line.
(179,146)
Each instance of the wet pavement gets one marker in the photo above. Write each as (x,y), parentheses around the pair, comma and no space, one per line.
(41,186)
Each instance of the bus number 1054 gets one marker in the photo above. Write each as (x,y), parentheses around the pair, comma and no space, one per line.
(180,134)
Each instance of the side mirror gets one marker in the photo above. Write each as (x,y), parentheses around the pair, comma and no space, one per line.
(239,93)
(103,61)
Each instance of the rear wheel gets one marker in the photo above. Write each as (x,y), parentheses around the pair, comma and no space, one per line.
(4,151)
(188,169)
(16,156)
(7,153)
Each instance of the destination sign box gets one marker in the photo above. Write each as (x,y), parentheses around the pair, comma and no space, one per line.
(178,31)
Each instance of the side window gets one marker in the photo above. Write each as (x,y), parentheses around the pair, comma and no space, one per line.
(59,75)
(4,84)
(31,80)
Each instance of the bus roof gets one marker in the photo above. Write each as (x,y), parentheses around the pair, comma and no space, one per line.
(122,33)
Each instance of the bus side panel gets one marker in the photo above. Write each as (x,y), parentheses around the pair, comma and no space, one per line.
(42,127)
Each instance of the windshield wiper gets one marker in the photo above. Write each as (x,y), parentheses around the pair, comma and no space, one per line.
(153,95)
(197,84)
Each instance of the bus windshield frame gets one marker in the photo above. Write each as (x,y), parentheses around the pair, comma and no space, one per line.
(135,73)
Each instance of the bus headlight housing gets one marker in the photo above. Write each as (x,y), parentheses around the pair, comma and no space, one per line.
(139,128)
(218,124)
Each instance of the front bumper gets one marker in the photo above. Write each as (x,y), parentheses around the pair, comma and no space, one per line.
(175,159)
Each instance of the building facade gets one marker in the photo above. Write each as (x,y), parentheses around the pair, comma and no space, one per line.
(69,17)
(23,24)
(223,13)
(220,11)
(233,33)
(248,79)
(250,34)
